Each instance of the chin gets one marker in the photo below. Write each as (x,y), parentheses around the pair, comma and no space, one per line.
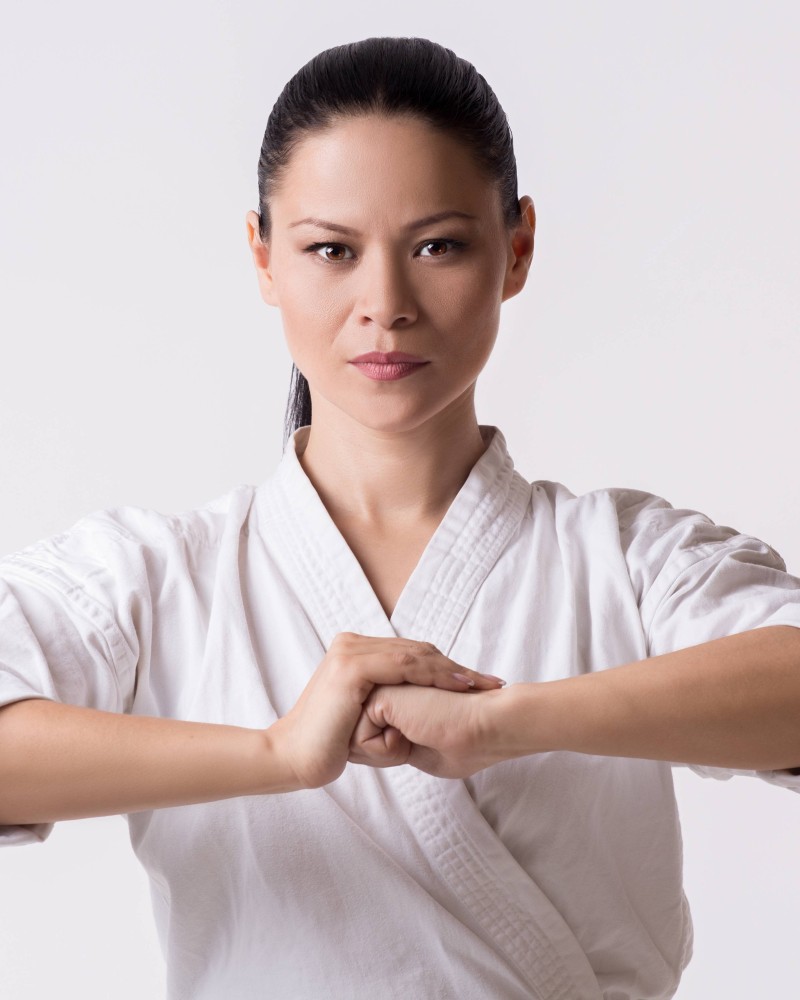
(389,419)
(389,412)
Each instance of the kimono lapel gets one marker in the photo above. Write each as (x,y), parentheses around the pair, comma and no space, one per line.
(319,565)
(468,541)
(477,873)
(315,560)
(496,896)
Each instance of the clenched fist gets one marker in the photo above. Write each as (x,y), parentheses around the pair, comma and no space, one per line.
(446,734)
(314,737)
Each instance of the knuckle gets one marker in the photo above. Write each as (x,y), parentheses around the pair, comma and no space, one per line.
(404,658)
(338,662)
(377,702)
(427,649)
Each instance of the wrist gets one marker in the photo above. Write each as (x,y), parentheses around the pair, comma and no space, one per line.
(516,721)
(276,773)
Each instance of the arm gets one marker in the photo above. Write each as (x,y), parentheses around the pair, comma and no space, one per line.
(65,762)
(61,761)
(732,702)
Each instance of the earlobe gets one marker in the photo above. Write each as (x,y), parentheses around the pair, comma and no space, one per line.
(261,259)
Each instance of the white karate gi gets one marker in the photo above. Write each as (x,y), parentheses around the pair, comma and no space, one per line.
(555,876)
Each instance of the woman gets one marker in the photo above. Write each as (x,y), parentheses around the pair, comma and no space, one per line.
(212,673)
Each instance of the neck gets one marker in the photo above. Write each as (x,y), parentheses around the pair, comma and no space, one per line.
(386,478)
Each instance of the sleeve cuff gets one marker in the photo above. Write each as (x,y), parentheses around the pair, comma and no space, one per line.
(30,833)
(783,779)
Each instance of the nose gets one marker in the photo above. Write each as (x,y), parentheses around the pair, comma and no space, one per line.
(386,293)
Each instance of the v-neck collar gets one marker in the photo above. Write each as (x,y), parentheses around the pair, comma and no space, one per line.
(472,872)
(318,563)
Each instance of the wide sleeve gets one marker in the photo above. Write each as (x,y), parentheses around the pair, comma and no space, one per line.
(72,608)
(696,581)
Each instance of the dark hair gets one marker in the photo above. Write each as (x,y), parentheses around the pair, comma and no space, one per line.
(385,76)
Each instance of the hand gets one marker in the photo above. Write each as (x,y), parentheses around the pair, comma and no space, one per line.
(446,734)
(314,737)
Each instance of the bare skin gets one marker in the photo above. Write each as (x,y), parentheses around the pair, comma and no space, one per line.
(388,458)
(62,761)
(386,555)
(387,561)
(733,702)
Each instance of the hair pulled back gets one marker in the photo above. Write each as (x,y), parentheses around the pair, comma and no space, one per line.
(384,75)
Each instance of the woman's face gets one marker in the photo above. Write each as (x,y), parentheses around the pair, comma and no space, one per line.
(356,264)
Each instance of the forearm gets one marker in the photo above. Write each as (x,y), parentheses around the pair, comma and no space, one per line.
(65,762)
(733,702)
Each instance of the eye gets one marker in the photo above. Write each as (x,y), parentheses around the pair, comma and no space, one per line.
(339,251)
(442,247)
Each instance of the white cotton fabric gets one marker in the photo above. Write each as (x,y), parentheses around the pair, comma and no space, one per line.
(556,876)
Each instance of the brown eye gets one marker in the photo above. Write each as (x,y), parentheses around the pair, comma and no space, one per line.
(443,247)
(439,245)
(332,252)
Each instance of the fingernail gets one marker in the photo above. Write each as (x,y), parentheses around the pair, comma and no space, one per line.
(492,677)
(465,680)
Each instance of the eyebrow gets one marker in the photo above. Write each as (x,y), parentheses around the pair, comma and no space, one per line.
(428,220)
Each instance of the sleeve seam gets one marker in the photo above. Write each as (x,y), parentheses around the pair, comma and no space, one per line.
(90,610)
(691,558)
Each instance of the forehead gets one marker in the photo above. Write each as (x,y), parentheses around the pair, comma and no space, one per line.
(383,167)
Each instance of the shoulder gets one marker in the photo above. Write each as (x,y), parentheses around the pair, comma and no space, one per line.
(130,538)
(622,509)
(204,524)
(634,513)
(649,531)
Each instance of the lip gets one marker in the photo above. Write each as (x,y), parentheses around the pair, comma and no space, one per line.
(387,367)
(390,358)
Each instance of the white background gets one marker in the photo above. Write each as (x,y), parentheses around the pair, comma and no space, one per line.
(655,346)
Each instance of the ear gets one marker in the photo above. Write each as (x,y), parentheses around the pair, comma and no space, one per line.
(260,252)
(520,252)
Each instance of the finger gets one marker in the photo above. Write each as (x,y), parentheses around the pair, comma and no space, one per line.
(388,748)
(428,760)
(482,682)
(413,663)
(396,744)
(363,645)
(374,738)
(366,729)
(377,743)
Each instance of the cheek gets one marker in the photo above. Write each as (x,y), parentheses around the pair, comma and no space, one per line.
(476,288)
(472,310)
(311,313)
